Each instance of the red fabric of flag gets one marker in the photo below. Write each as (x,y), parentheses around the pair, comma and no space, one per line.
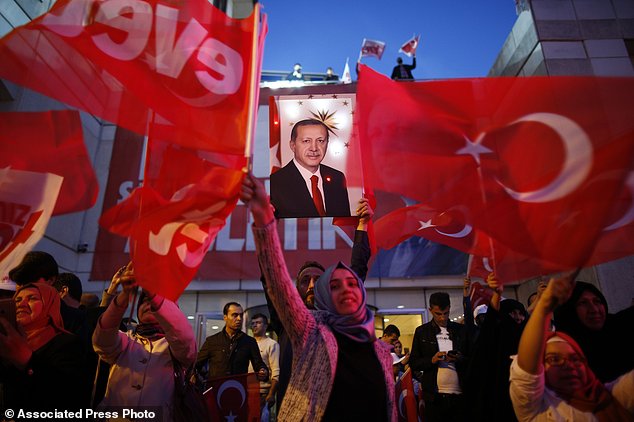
(534,163)
(479,267)
(187,61)
(372,48)
(27,200)
(410,46)
(405,398)
(423,221)
(235,398)
(479,295)
(173,218)
(51,142)
(617,235)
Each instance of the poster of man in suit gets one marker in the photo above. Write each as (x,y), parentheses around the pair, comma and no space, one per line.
(312,182)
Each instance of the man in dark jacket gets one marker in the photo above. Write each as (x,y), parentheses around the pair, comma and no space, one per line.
(230,351)
(439,350)
(402,71)
(305,187)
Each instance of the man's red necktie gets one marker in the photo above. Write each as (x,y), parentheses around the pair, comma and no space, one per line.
(317,199)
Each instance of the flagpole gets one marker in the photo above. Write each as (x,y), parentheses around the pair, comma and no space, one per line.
(254,86)
(148,129)
(484,200)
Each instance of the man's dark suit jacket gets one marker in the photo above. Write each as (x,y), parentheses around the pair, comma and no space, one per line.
(291,198)
(396,72)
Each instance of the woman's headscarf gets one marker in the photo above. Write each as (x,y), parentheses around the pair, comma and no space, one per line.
(358,326)
(153,330)
(49,322)
(566,318)
(595,342)
(592,396)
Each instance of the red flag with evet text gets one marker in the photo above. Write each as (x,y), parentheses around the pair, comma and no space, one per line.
(235,398)
(405,399)
(172,219)
(539,175)
(51,142)
(185,60)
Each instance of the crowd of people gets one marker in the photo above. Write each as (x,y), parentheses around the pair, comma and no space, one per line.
(503,362)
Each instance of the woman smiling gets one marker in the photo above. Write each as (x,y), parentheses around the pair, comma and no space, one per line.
(551,380)
(41,369)
(340,370)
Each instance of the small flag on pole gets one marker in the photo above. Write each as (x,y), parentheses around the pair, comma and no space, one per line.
(409,48)
(372,48)
(345,76)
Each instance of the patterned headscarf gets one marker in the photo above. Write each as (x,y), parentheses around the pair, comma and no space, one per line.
(358,326)
(592,396)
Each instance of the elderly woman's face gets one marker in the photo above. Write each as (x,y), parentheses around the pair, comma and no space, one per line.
(565,369)
(590,311)
(28,306)
(345,292)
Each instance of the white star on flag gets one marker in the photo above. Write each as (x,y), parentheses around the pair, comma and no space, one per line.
(425,224)
(474,148)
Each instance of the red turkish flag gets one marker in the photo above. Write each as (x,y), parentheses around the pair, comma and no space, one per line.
(423,221)
(480,267)
(173,218)
(405,398)
(508,265)
(187,61)
(235,398)
(51,142)
(539,175)
(410,46)
(617,234)
(480,295)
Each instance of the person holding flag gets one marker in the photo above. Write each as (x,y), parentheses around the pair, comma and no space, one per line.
(340,370)
(404,71)
(143,360)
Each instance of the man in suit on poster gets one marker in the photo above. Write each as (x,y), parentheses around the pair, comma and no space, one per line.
(304,187)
